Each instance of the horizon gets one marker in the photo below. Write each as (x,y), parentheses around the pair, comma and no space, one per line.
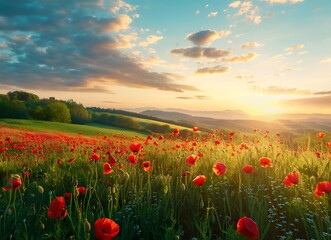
(259,57)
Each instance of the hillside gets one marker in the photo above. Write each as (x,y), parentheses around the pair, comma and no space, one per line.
(294,125)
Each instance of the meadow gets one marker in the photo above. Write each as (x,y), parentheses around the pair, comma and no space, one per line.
(221,185)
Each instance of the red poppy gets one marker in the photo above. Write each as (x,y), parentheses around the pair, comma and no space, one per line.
(135,147)
(322,188)
(199,180)
(248,169)
(328,144)
(15,182)
(185,174)
(67,195)
(132,158)
(147,166)
(27,174)
(81,190)
(291,179)
(57,208)
(176,132)
(248,228)
(190,160)
(320,135)
(219,168)
(95,157)
(265,162)
(195,129)
(105,229)
(112,160)
(107,168)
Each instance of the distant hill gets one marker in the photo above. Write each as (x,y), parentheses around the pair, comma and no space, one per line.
(295,125)
(225,114)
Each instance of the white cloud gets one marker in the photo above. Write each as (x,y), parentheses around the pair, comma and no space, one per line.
(296,47)
(244,8)
(151,39)
(212,14)
(250,45)
(235,4)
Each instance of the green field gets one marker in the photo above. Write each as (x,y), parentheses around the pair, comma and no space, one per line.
(91,129)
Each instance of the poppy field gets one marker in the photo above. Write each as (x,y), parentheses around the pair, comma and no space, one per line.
(220,185)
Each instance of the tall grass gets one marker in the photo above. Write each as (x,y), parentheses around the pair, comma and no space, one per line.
(162,203)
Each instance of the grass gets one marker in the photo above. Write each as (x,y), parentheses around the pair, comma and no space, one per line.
(162,203)
(90,129)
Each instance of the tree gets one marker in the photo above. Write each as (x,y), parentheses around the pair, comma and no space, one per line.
(56,111)
(22,96)
(78,113)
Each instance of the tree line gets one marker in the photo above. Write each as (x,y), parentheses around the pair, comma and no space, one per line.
(24,105)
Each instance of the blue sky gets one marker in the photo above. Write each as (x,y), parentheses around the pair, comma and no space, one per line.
(259,56)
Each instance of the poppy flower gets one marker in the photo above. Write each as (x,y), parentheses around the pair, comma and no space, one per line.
(105,229)
(57,208)
(132,158)
(107,168)
(219,168)
(81,190)
(176,132)
(147,166)
(135,147)
(67,195)
(328,144)
(112,160)
(247,227)
(320,135)
(95,157)
(265,162)
(199,180)
(322,188)
(15,182)
(190,160)
(185,174)
(248,169)
(291,179)
(195,129)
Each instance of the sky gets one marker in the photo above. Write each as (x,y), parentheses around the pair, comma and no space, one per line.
(258,56)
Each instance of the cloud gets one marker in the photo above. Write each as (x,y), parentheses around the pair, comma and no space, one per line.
(244,8)
(206,36)
(276,90)
(213,70)
(235,4)
(284,1)
(198,97)
(120,5)
(200,52)
(212,14)
(313,103)
(73,46)
(241,58)
(151,39)
(116,24)
(322,93)
(243,76)
(296,47)
(327,60)
(250,45)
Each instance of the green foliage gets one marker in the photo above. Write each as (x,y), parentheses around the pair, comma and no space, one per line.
(116,120)
(22,96)
(78,113)
(158,128)
(56,112)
